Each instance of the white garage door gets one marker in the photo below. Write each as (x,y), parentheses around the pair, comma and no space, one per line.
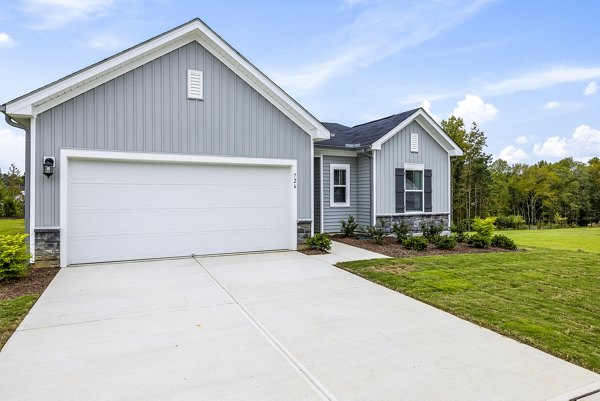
(120,210)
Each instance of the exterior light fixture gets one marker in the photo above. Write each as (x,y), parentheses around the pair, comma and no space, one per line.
(49,164)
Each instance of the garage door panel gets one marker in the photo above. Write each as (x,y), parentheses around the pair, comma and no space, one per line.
(125,210)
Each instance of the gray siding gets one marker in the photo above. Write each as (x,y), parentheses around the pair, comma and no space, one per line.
(333,215)
(395,152)
(317,193)
(147,110)
(363,188)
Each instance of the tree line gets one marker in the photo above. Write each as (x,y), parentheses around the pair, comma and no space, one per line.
(563,193)
(12,196)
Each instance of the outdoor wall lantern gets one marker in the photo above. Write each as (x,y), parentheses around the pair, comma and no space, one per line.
(49,163)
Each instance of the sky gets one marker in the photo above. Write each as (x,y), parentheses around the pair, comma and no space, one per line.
(528,72)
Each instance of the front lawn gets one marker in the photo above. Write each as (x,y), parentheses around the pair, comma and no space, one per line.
(12,311)
(546,298)
(584,238)
(12,226)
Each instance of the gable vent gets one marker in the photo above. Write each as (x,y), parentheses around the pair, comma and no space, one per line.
(414,142)
(194,84)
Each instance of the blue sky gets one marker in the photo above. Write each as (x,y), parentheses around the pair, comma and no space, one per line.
(527,71)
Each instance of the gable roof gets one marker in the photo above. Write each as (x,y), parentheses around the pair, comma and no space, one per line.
(374,133)
(72,85)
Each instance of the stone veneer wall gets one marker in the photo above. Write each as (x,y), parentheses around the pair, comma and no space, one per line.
(47,247)
(304,227)
(413,220)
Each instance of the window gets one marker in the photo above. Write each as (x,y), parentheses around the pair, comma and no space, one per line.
(339,185)
(414,190)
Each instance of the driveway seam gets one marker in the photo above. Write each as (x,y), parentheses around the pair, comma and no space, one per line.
(278,346)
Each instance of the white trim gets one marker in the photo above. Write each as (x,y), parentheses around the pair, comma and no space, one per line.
(63,90)
(435,131)
(449,192)
(32,181)
(332,168)
(336,152)
(374,182)
(312,188)
(415,167)
(321,222)
(75,154)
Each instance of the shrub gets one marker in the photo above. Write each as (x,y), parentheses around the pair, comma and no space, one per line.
(319,241)
(415,243)
(512,221)
(431,230)
(459,232)
(401,230)
(484,227)
(348,226)
(478,241)
(376,232)
(502,241)
(14,258)
(445,242)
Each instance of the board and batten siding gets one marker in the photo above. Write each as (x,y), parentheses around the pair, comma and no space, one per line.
(333,215)
(363,188)
(147,110)
(395,152)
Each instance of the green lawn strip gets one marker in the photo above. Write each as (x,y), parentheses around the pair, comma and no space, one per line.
(584,238)
(12,226)
(12,311)
(545,298)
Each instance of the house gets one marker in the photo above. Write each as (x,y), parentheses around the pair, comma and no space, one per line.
(389,170)
(180,146)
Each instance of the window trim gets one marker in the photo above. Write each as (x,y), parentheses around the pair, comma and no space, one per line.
(332,168)
(414,167)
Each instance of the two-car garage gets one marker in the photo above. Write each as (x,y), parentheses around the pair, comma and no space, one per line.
(124,206)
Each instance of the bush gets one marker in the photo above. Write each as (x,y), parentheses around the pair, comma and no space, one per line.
(415,243)
(348,226)
(478,241)
(376,232)
(401,230)
(445,242)
(14,258)
(484,227)
(502,241)
(512,221)
(459,232)
(431,230)
(319,241)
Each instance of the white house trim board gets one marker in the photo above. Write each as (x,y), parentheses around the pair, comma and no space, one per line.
(434,130)
(32,181)
(84,80)
(66,155)
(332,168)
(312,189)
(335,152)
(374,182)
(321,222)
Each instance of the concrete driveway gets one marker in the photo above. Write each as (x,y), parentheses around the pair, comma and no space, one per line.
(274,326)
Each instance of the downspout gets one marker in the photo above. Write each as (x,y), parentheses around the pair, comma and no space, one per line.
(27,130)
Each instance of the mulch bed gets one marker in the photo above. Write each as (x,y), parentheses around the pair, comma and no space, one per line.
(391,247)
(308,251)
(35,283)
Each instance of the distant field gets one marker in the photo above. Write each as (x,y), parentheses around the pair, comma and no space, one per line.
(585,238)
(12,226)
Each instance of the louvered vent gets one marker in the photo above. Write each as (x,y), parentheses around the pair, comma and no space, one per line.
(414,142)
(194,85)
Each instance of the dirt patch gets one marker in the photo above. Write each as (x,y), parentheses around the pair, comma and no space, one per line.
(35,283)
(309,251)
(391,247)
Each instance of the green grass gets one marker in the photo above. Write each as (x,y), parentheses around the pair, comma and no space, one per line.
(546,298)
(12,226)
(12,311)
(584,238)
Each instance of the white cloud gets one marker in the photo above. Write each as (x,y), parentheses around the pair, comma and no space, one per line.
(6,40)
(542,79)
(590,88)
(522,140)
(12,149)
(381,29)
(55,14)
(107,42)
(583,144)
(551,105)
(513,154)
(473,109)
(426,105)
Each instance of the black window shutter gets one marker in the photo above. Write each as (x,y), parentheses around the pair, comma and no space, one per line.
(427,195)
(399,190)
